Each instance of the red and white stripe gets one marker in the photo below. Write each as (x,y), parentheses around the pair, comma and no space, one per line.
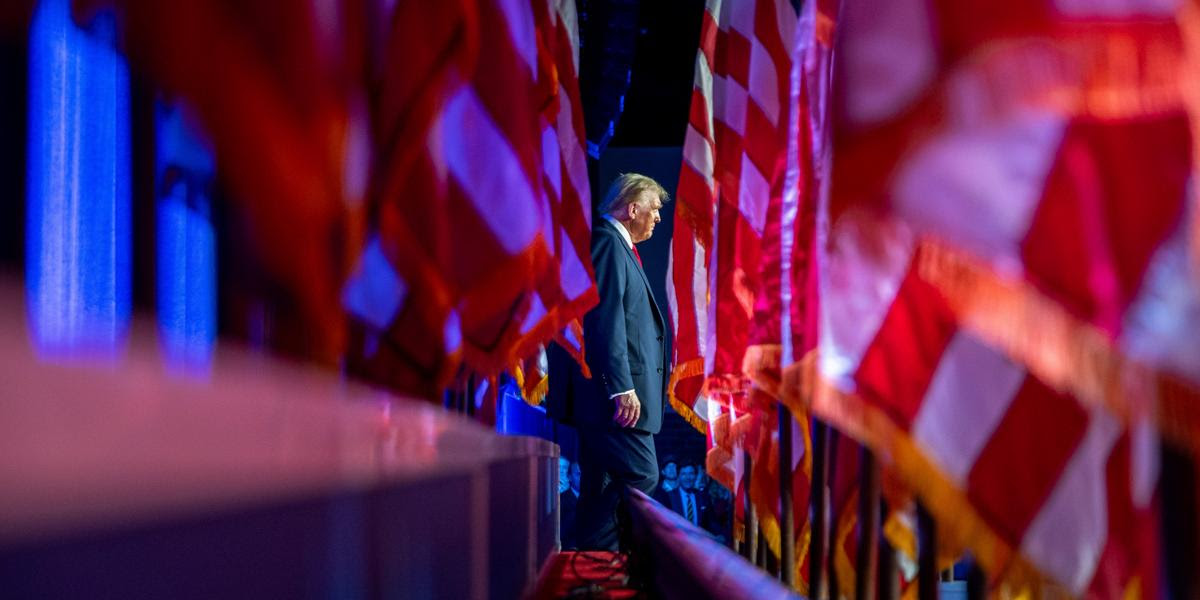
(735,151)
(1066,176)
(570,291)
(487,222)
(574,208)
(1022,149)
(1064,484)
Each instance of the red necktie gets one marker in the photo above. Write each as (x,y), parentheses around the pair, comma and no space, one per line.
(637,256)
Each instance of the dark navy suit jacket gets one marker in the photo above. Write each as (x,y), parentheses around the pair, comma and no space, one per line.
(625,344)
(700,504)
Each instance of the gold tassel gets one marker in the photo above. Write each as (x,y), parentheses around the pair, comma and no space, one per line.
(761,365)
(843,564)
(796,387)
(802,543)
(538,394)
(691,368)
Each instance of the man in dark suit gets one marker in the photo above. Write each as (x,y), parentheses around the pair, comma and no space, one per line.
(686,500)
(668,480)
(568,502)
(620,408)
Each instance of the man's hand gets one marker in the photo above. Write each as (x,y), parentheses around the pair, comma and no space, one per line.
(629,408)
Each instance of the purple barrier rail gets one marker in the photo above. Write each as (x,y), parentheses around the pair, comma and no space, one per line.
(261,479)
(676,559)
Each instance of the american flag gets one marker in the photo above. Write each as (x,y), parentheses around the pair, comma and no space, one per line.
(1002,459)
(491,225)
(734,161)
(565,179)
(1009,205)
(783,334)
(411,173)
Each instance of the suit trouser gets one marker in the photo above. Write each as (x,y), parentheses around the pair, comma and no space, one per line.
(608,461)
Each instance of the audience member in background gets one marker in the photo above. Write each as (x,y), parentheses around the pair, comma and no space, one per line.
(685,500)
(564,474)
(575,478)
(720,513)
(667,481)
(567,502)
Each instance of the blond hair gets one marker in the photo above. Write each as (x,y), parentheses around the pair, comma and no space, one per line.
(626,189)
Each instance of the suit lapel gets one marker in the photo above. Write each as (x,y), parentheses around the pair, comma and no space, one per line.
(640,270)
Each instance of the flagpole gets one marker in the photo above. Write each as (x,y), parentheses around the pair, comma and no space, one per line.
(928,577)
(889,574)
(868,526)
(832,441)
(818,501)
(787,519)
(976,583)
(751,512)
(769,562)
(1177,489)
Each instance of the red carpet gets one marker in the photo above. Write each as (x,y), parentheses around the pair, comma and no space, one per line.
(585,575)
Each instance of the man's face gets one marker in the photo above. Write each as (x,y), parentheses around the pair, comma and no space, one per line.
(687,477)
(670,471)
(643,216)
(575,477)
(563,471)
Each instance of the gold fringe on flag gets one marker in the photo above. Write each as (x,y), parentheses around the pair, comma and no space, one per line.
(796,387)
(843,564)
(538,394)
(772,533)
(761,365)
(532,396)
(803,541)
(717,463)
(518,374)
(792,387)
(902,537)
(1061,350)
(767,524)
(899,534)
(956,517)
(765,475)
(691,368)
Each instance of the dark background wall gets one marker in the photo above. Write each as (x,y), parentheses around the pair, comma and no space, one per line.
(13,137)
(660,86)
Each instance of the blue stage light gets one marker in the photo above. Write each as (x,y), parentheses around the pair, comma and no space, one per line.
(186,276)
(515,416)
(78,246)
